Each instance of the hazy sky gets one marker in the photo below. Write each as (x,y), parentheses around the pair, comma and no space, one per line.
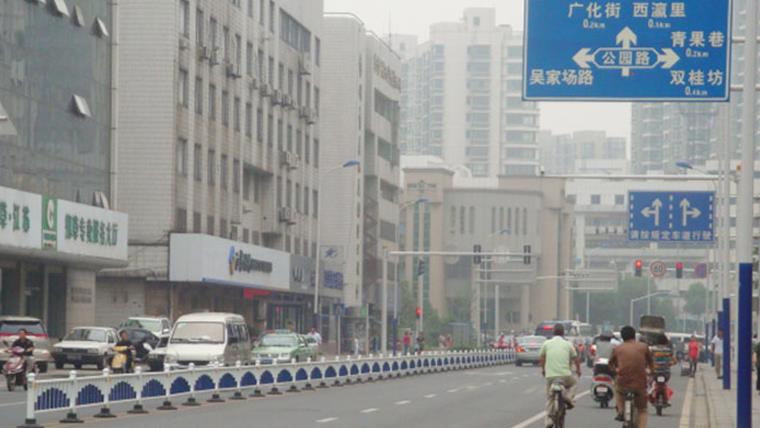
(415,17)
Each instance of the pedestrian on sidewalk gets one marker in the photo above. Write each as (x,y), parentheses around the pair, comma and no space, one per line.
(694,348)
(420,343)
(407,342)
(756,358)
(717,350)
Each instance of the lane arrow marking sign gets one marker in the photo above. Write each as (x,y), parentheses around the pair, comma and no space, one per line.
(653,210)
(686,212)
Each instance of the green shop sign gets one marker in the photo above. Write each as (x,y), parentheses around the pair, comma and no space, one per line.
(14,216)
(91,231)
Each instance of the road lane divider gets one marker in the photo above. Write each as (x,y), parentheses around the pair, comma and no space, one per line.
(74,393)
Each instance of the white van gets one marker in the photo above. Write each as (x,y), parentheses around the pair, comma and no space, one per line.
(208,339)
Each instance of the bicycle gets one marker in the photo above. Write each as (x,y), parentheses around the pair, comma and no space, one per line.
(559,407)
(630,416)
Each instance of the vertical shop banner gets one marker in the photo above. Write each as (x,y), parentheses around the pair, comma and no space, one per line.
(49,223)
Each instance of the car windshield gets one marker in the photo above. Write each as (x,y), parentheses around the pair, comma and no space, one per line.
(198,332)
(87,334)
(152,325)
(12,327)
(279,340)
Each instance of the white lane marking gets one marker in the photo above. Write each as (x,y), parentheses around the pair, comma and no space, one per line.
(326,420)
(517,378)
(685,421)
(537,417)
(502,381)
(370,410)
(402,402)
(430,396)
(530,391)
(17,403)
(488,384)
(453,390)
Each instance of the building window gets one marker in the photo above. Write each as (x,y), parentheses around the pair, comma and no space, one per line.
(281,77)
(619,199)
(223,228)
(182,157)
(223,172)
(199,24)
(298,198)
(306,193)
(501,218)
(299,143)
(261,11)
(317,50)
(180,221)
(197,162)
(316,99)
(271,16)
(279,134)
(525,221)
(472,220)
(212,102)
(236,112)
(462,219)
(290,82)
(249,59)
(246,188)
(184,18)
(315,199)
(306,148)
(212,32)
(259,125)
(196,222)
(250,8)
(270,131)
(236,176)
(248,119)
(316,153)
(288,192)
(211,168)
(290,138)
(270,72)
(198,95)
(210,225)
(225,108)
(182,87)
(226,43)
(256,189)
(596,199)
(238,51)
(260,66)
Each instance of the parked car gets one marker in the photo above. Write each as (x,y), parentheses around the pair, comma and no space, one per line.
(282,346)
(216,339)
(160,326)
(9,327)
(528,350)
(85,345)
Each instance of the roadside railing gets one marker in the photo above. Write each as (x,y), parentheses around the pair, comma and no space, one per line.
(74,393)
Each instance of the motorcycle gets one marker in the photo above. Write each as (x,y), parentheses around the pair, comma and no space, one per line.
(14,369)
(659,392)
(602,383)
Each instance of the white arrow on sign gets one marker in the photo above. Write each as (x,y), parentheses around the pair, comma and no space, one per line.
(668,58)
(583,57)
(625,38)
(653,210)
(686,212)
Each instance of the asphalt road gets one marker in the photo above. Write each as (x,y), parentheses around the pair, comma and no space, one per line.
(504,396)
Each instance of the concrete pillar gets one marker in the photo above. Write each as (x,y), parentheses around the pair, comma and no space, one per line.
(524,306)
(80,296)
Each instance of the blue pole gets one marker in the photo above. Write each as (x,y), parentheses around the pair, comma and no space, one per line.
(744,342)
(726,370)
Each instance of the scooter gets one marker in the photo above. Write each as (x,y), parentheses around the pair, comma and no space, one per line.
(660,393)
(602,383)
(14,369)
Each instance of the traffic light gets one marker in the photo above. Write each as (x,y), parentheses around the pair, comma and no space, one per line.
(418,312)
(526,254)
(637,267)
(476,259)
(679,270)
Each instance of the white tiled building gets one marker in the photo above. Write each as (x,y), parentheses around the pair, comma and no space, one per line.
(218,135)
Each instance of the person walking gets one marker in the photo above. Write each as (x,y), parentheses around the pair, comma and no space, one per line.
(420,343)
(694,348)
(717,350)
(407,341)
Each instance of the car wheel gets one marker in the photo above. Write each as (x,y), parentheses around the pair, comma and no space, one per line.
(42,367)
(59,365)
(78,366)
(518,363)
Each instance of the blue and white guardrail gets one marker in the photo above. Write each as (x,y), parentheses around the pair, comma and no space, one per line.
(74,393)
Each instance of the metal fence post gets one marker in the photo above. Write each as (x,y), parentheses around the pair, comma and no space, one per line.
(238,395)
(138,408)
(275,375)
(293,387)
(167,404)
(71,415)
(256,390)
(31,395)
(191,380)
(308,386)
(105,411)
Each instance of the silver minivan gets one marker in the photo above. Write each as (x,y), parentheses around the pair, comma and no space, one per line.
(208,339)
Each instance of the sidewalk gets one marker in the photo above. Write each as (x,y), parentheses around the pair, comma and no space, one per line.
(721,404)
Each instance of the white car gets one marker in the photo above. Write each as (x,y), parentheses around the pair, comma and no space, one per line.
(85,345)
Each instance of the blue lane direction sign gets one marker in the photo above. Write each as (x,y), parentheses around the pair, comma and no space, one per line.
(670,216)
(660,50)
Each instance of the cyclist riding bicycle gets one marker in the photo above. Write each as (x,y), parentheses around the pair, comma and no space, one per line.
(556,356)
(630,362)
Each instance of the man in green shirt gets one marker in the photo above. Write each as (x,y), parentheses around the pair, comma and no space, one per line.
(556,356)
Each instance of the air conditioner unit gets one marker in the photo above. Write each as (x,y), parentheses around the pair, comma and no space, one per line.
(264,90)
(184,44)
(304,66)
(204,52)
(233,70)
(286,215)
(311,116)
(276,97)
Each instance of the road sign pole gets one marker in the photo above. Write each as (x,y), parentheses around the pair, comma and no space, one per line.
(745,214)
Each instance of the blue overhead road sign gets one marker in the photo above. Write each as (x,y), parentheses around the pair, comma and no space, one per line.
(659,50)
(670,216)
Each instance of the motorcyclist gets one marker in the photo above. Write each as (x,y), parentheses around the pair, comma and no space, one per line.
(24,342)
(630,361)
(663,358)
(555,358)
(122,361)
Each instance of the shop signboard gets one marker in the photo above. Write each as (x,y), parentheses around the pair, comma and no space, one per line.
(204,258)
(20,214)
(49,223)
(302,276)
(90,231)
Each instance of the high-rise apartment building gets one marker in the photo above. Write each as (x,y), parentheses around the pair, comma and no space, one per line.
(583,152)
(360,119)
(462,98)
(218,151)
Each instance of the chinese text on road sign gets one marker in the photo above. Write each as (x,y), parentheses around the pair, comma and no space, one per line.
(627,50)
(670,216)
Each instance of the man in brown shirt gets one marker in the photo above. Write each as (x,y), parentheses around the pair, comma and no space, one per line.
(630,362)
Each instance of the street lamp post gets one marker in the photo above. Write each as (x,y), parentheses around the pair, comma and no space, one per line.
(318,279)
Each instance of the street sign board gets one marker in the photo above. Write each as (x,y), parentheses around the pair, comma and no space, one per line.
(658,269)
(670,216)
(661,50)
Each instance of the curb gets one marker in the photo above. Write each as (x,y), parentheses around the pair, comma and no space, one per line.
(712,421)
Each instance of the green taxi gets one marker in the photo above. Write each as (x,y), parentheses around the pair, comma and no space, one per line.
(283,346)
